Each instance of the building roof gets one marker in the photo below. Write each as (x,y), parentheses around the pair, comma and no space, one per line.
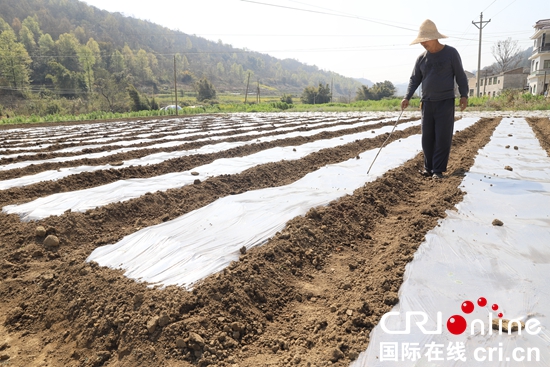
(519,70)
(515,71)
(542,24)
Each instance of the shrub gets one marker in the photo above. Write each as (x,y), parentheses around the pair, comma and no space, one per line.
(205,90)
(281,105)
(154,104)
(286,98)
(53,108)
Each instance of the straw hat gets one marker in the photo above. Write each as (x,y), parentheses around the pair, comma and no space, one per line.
(428,31)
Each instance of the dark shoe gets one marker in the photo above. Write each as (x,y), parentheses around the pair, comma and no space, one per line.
(425,173)
(437,175)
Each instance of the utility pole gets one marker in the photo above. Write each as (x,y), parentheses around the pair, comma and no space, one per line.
(259,91)
(246,93)
(480,26)
(331,89)
(175,85)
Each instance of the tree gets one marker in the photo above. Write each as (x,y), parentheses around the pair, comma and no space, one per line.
(112,88)
(117,65)
(186,77)
(376,92)
(312,95)
(185,62)
(27,38)
(153,65)
(220,69)
(129,58)
(382,90)
(31,23)
(94,47)
(67,48)
(141,69)
(46,45)
(80,34)
(16,25)
(87,61)
(507,55)
(4,26)
(46,52)
(65,81)
(139,103)
(182,64)
(14,61)
(363,93)
(205,90)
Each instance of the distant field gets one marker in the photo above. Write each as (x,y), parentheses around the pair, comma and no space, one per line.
(234,102)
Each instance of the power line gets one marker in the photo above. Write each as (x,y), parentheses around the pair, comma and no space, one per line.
(343,13)
(331,14)
(506,7)
(342,35)
(489,6)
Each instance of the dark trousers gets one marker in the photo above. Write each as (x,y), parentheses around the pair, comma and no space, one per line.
(438,119)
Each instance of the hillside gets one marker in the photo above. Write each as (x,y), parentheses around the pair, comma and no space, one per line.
(75,49)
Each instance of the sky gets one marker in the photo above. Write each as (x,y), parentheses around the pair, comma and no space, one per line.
(355,38)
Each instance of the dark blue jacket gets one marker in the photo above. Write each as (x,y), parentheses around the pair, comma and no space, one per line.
(437,72)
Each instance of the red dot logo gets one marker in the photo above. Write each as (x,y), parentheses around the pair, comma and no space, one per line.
(482,302)
(467,307)
(456,324)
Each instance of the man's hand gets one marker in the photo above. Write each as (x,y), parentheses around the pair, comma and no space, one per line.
(404,103)
(463,103)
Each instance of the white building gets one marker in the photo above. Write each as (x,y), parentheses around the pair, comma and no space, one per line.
(492,84)
(540,60)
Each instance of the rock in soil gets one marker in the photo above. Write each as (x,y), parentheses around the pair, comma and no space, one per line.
(40,231)
(51,241)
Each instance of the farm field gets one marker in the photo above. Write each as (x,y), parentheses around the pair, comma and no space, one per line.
(255,239)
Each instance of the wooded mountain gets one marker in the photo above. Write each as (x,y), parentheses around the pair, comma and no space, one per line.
(75,49)
(366,82)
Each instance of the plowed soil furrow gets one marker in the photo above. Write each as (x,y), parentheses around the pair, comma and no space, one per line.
(108,145)
(541,127)
(186,142)
(100,129)
(308,297)
(102,177)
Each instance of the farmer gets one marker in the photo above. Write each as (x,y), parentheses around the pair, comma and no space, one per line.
(437,69)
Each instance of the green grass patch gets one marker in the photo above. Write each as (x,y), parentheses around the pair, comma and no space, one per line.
(230,103)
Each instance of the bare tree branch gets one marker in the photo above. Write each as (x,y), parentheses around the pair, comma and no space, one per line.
(507,55)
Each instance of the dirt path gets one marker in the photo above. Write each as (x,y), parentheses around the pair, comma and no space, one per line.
(310,296)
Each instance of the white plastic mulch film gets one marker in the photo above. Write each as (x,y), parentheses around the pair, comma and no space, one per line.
(470,270)
(292,127)
(195,245)
(123,190)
